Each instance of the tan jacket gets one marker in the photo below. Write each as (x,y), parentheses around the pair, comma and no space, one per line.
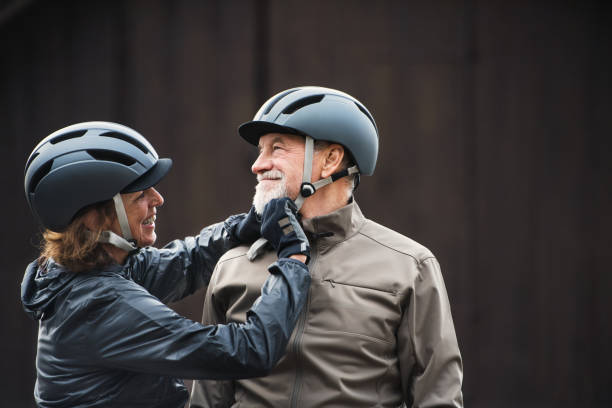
(376,330)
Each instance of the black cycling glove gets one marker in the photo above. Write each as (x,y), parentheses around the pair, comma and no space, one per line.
(279,225)
(248,229)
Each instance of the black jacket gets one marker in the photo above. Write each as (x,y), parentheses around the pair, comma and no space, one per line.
(106,339)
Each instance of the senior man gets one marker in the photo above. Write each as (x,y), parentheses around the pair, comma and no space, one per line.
(377,329)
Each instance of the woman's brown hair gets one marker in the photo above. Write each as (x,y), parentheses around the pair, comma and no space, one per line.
(77,247)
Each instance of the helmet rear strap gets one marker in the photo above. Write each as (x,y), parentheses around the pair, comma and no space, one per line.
(336,176)
(109,237)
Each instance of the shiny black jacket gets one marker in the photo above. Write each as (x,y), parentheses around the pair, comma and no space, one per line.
(106,339)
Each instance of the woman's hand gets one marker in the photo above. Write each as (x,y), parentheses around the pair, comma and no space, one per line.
(279,225)
(248,229)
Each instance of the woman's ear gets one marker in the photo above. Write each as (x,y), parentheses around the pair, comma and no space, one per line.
(91,219)
(98,218)
(332,159)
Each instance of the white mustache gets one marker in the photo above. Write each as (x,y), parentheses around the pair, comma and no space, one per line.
(271,175)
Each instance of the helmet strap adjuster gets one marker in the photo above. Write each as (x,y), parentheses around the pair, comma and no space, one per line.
(307,189)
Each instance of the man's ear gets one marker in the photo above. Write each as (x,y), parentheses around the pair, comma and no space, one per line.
(332,159)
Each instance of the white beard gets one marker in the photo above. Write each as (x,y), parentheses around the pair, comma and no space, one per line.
(274,189)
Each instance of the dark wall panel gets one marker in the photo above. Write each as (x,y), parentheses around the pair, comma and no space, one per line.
(51,76)
(187,81)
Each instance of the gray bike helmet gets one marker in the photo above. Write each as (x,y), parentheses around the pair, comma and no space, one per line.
(88,163)
(317,114)
(320,114)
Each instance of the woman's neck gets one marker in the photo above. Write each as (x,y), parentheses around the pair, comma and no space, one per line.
(119,255)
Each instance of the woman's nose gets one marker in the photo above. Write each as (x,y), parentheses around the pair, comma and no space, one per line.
(157,198)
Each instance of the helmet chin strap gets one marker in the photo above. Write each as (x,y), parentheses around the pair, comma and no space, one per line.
(126,242)
(308,188)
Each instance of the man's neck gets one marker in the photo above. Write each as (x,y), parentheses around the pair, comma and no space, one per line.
(324,201)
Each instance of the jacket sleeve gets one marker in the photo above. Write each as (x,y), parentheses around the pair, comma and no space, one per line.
(212,393)
(136,332)
(430,361)
(183,266)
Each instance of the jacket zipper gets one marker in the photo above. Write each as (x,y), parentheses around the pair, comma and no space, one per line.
(333,284)
(297,341)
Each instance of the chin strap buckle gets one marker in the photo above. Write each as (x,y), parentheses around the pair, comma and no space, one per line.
(307,189)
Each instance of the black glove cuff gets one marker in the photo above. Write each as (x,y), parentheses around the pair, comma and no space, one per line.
(296,249)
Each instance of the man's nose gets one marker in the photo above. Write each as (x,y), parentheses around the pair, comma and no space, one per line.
(261,164)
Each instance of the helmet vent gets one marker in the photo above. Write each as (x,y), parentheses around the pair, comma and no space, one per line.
(40,173)
(126,138)
(66,136)
(278,98)
(108,155)
(365,112)
(299,104)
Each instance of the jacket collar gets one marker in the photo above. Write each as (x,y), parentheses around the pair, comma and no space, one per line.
(330,229)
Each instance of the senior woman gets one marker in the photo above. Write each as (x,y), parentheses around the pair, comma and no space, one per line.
(105,337)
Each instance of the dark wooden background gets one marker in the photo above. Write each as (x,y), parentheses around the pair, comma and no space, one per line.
(495,151)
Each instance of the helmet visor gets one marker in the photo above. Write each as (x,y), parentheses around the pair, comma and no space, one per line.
(150,178)
(253,130)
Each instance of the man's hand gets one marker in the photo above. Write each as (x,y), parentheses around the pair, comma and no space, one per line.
(279,225)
